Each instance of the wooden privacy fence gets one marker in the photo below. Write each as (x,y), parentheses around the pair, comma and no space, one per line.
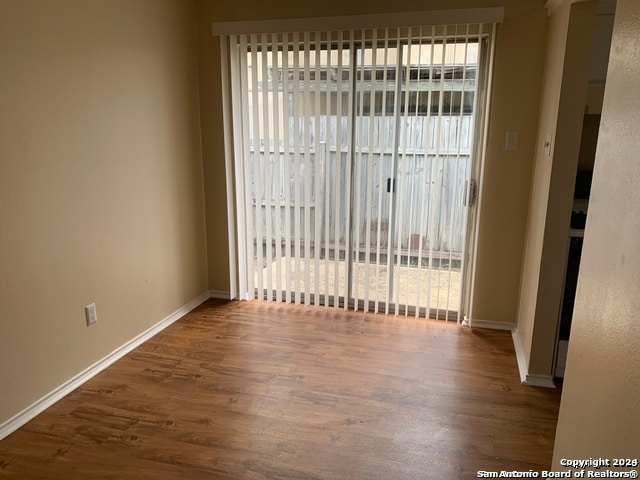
(431,170)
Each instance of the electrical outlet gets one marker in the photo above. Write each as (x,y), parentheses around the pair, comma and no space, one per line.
(90,314)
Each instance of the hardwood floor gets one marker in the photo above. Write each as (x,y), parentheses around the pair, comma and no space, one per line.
(256,390)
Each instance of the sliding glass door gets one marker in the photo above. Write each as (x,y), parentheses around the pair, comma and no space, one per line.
(414,117)
(354,153)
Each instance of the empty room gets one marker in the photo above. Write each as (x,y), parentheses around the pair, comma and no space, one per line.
(319,241)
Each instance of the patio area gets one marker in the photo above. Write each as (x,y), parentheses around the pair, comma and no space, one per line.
(436,289)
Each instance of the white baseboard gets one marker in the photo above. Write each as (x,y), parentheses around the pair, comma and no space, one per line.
(220,294)
(539,381)
(475,323)
(525,377)
(520,358)
(18,420)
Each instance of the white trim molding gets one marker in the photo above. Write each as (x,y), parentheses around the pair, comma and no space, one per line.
(356,22)
(39,406)
(526,378)
(520,358)
(545,381)
(475,323)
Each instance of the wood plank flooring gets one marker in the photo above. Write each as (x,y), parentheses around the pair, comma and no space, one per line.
(258,390)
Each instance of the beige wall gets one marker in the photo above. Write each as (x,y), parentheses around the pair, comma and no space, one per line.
(554,62)
(515,106)
(101,192)
(599,414)
(517,82)
(569,41)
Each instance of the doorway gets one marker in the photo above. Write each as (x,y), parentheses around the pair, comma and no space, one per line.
(354,165)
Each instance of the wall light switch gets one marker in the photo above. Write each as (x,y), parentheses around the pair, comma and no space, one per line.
(511,142)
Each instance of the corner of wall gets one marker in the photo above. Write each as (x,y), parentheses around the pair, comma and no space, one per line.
(21,418)
(527,378)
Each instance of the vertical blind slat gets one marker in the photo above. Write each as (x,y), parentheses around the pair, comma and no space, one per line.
(383,103)
(350,142)
(307,171)
(317,173)
(447,168)
(358,169)
(403,180)
(338,167)
(267,193)
(369,174)
(416,300)
(431,181)
(440,166)
(328,179)
(228,54)
(275,56)
(394,175)
(246,167)
(286,107)
(296,160)
(258,138)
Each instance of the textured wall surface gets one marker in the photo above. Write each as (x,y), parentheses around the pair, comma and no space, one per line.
(600,409)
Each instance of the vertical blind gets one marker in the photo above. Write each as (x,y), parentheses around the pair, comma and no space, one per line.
(352,153)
